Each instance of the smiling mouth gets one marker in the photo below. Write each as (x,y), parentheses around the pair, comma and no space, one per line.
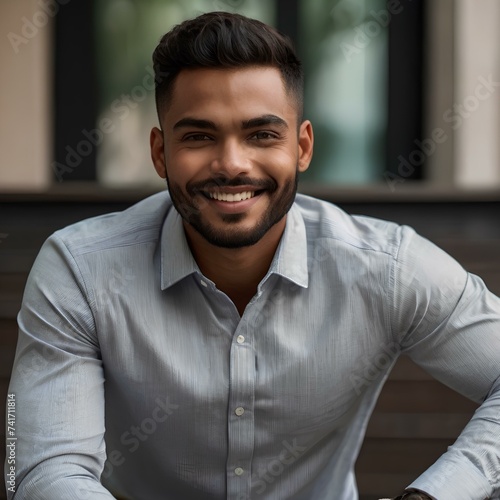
(231,197)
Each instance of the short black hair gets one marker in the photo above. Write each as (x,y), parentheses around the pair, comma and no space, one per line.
(224,40)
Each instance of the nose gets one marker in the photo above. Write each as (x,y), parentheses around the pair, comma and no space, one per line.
(231,159)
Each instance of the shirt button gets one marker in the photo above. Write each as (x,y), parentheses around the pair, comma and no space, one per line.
(203,283)
(240,339)
(238,471)
(239,411)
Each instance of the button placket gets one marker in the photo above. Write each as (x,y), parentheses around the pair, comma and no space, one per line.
(240,418)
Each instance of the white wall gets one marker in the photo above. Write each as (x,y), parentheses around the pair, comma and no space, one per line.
(477,91)
(25,95)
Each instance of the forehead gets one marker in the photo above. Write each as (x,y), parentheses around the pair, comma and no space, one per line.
(224,93)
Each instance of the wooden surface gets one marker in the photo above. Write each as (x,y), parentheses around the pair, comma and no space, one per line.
(416,418)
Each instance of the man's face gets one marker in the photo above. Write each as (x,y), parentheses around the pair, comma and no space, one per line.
(231,152)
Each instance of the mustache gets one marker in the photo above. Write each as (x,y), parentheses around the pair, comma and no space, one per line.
(217,182)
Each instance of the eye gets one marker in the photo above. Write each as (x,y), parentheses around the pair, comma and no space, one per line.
(264,135)
(197,137)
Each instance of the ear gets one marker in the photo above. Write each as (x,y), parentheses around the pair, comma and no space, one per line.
(158,152)
(306,142)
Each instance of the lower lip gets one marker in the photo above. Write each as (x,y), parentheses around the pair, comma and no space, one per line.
(235,207)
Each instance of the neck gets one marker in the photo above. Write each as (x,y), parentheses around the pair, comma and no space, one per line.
(236,271)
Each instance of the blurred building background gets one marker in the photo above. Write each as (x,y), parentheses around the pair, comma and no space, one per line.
(398,91)
(404,96)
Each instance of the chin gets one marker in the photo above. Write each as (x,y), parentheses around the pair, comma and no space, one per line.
(228,238)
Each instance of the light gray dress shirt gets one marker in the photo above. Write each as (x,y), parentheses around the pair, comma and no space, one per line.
(127,351)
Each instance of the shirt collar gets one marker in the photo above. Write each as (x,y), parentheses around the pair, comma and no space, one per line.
(290,260)
(177,261)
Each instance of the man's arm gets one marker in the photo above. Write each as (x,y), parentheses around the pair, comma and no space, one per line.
(449,323)
(57,382)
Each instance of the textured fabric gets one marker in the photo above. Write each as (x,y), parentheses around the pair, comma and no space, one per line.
(127,350)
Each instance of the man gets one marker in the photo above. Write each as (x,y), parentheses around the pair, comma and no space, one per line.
(206,340)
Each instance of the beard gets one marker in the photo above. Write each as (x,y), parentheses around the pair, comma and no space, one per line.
(190,205)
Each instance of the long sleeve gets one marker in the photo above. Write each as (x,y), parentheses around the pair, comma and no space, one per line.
(449,323)
(58,381)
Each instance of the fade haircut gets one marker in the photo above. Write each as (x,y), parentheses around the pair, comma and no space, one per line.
(224,40)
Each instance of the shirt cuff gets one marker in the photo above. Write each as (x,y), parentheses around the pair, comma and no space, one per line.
(449,479)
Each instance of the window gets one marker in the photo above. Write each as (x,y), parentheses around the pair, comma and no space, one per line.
(346,84)
(127,31)
(344,47)
(390,87)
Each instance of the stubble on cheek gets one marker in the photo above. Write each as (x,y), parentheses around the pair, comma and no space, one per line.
(190,209)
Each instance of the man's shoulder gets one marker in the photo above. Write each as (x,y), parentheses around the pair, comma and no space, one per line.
(327,221)
(141,223)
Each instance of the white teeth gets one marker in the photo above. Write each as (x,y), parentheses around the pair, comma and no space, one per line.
(232,197)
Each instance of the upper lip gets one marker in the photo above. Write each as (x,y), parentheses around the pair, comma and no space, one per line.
(231,189)
(231,186)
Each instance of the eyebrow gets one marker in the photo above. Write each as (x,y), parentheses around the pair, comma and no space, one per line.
(195,123)
(264,120)
(259,121)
